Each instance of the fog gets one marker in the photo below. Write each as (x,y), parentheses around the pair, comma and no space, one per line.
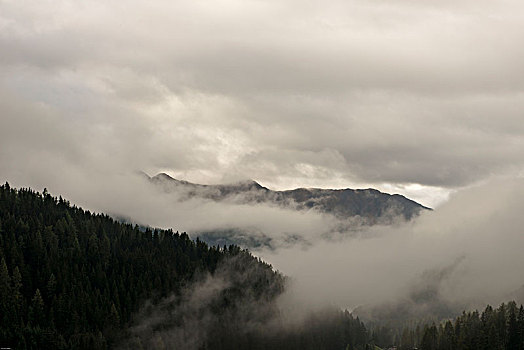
(463,255)
(478,231)
(190,319)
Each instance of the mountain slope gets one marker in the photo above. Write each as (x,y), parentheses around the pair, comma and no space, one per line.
(71,279)
(371,205)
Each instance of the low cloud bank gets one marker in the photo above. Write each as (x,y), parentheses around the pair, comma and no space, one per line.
(465,254)
(478,231)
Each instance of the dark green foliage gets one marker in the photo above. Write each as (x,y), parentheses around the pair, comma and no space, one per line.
(500,329)
(71,279)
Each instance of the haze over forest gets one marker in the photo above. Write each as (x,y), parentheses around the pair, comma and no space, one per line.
(420,100)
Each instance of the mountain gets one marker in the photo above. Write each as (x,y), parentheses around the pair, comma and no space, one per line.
(370,205)
(72,279)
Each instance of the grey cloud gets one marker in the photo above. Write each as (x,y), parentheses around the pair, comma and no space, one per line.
(380,94)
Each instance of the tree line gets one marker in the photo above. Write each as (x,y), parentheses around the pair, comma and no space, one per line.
(72,279)
(493,329)
(501,328)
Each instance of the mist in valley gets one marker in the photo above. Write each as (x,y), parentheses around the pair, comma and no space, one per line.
(463,254)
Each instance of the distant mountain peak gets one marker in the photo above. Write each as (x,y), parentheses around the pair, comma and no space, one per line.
(163,176)
(248,184)
(167,179)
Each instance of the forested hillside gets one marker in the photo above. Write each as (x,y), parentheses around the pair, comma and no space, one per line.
(72,279)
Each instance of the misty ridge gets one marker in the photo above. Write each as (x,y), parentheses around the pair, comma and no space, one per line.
(433,266)
(369,206)
(349,209)
(368,265)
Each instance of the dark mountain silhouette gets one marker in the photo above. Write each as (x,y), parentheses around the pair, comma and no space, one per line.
(371,205)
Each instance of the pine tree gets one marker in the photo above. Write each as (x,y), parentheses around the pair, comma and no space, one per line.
(36,313)
(51,287)
(5,293)
(17,297)
(430,338)
(447,338)
(513,331)
(520,328)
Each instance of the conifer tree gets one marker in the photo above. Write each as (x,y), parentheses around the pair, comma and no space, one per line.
(36,311)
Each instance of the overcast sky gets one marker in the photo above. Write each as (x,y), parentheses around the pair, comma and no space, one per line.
(414,97)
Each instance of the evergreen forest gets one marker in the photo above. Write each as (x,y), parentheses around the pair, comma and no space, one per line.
(73,279)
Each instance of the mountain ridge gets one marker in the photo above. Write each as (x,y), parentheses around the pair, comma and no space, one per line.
(371,205)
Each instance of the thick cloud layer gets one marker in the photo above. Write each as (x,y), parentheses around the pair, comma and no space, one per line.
(468,253)
(416,97)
